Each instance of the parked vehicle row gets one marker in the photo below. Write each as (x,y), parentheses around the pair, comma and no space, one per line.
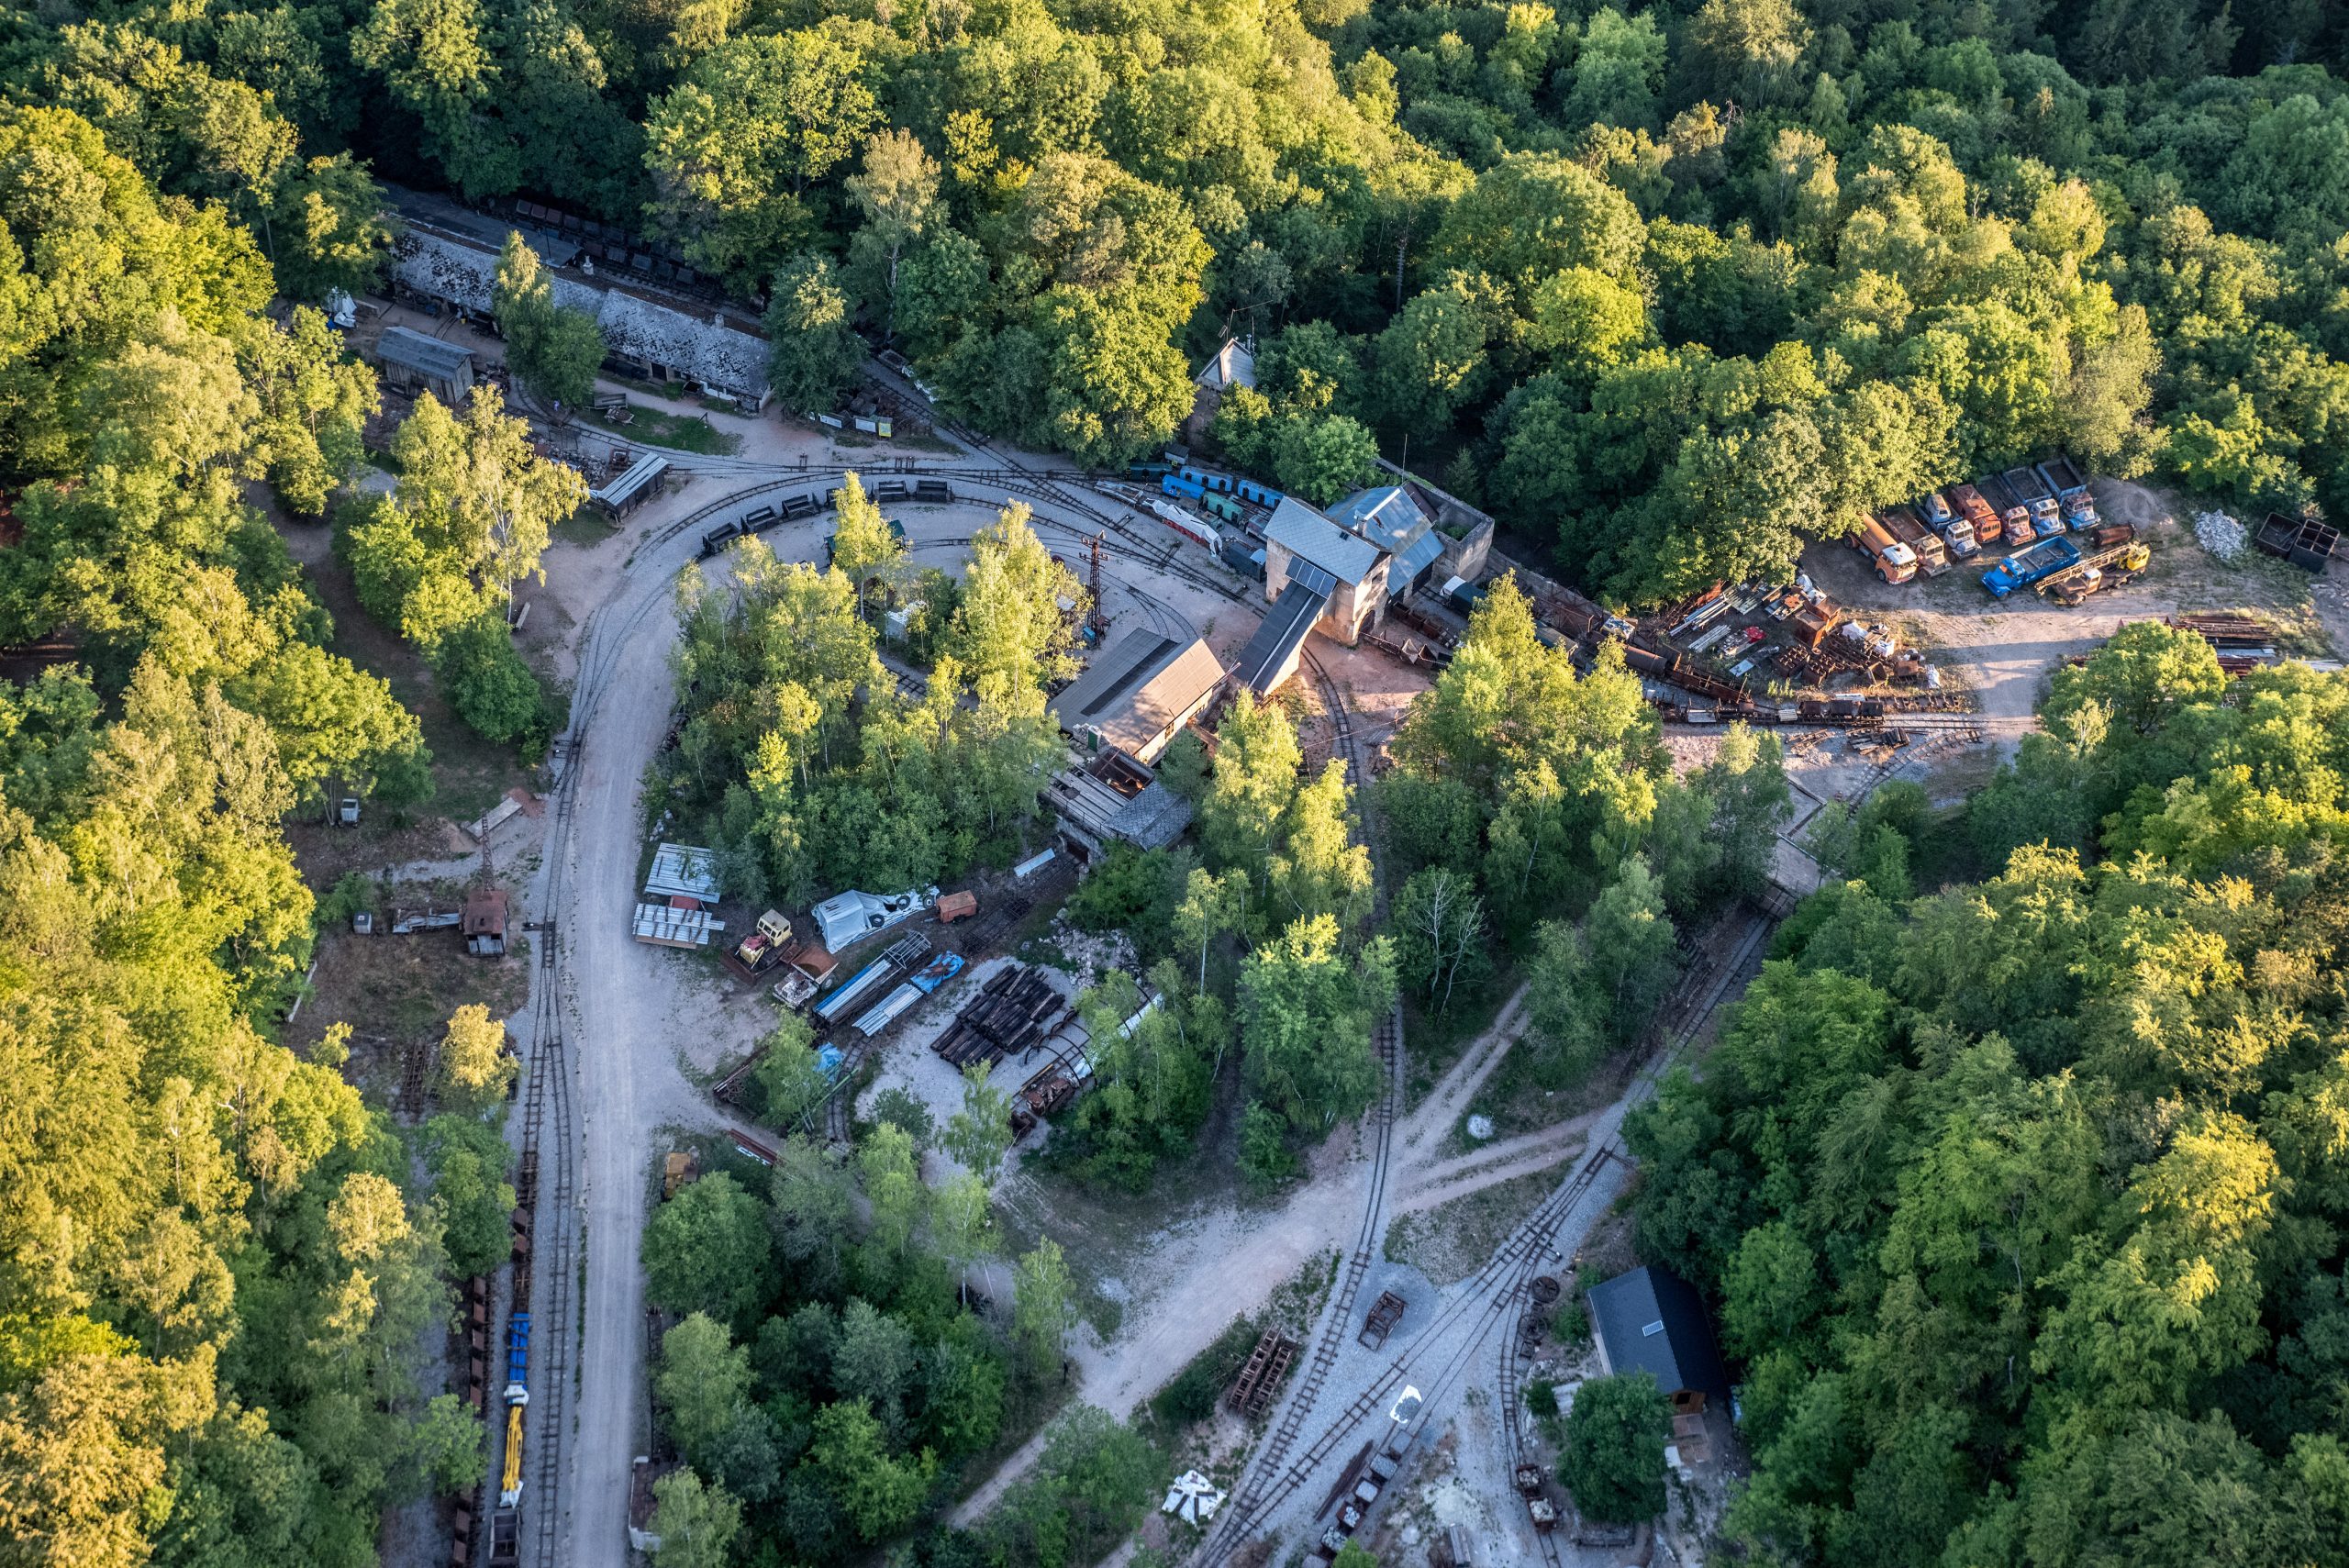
(2022,507)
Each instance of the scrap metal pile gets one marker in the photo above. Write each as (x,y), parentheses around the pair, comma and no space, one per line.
(1695,659)
(2242,642)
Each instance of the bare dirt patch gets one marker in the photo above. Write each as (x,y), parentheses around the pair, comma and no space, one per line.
(397,994)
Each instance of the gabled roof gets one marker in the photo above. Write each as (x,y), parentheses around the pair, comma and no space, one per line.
(1234,364)
(1652,1320)
(1136,688)
(632,483)
(1307,534)
(427,356)
(1388,517)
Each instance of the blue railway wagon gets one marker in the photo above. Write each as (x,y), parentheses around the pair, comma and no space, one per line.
(1257,495)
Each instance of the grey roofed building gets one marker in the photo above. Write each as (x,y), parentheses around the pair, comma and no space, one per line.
(632,488)
(1234,364)
(1413,560)
(727,359)
(1308,535)
(427,356)
(1652,1320)
(1139,691)
(1387,516)
(1094,815)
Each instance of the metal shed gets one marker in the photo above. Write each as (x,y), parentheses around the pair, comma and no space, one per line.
(1652,1320)
(637,485)
(683,871)
(413,362)
(484,922)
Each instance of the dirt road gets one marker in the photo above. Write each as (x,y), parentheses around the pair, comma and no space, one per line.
(636,1017)
(623,1026)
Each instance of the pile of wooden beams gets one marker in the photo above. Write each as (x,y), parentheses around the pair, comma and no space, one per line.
(1012,1012)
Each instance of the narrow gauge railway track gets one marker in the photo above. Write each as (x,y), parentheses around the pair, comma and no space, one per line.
(1681,1033)
(1503,1280)
(1263,1482)
(550,1150)
(551,1130)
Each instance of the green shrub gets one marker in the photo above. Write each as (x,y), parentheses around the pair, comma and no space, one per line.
(1192,1394)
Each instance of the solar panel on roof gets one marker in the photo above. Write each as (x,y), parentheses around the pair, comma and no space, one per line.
(1311,578)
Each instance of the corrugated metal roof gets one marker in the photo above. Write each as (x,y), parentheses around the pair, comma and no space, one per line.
(714,352)
(1417,557)
(628,485)
(1388,517)
(1307,534)
(428,356)
(683,871)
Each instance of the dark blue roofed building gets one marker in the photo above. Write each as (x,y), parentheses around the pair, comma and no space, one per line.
(1652,1320)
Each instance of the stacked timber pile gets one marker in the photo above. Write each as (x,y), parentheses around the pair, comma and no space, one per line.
(1010,1015)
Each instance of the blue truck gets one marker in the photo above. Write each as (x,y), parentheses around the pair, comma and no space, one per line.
(2071,492)
(2025,567)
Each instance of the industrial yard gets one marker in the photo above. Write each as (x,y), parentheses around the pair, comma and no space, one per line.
(1865,680)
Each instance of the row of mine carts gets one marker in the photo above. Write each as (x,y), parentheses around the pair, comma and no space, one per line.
(1372,1474)
(479,1367)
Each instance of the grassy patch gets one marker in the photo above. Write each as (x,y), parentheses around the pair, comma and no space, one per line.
(1518,1102)
(1434,1042)
(1453,1241)
(660,428)
(1192,1394)
(584,528)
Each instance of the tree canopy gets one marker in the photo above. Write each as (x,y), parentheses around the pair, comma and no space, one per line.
(1671,288)
(2021,1198)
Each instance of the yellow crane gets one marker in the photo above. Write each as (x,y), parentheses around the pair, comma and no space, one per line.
(510,1483)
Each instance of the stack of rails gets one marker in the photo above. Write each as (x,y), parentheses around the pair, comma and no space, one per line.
(1011,1013)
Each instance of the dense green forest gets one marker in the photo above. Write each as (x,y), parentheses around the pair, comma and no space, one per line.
(805,767)
(2023,1198)
(1665,285)
(827,1376)
(216,1263)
